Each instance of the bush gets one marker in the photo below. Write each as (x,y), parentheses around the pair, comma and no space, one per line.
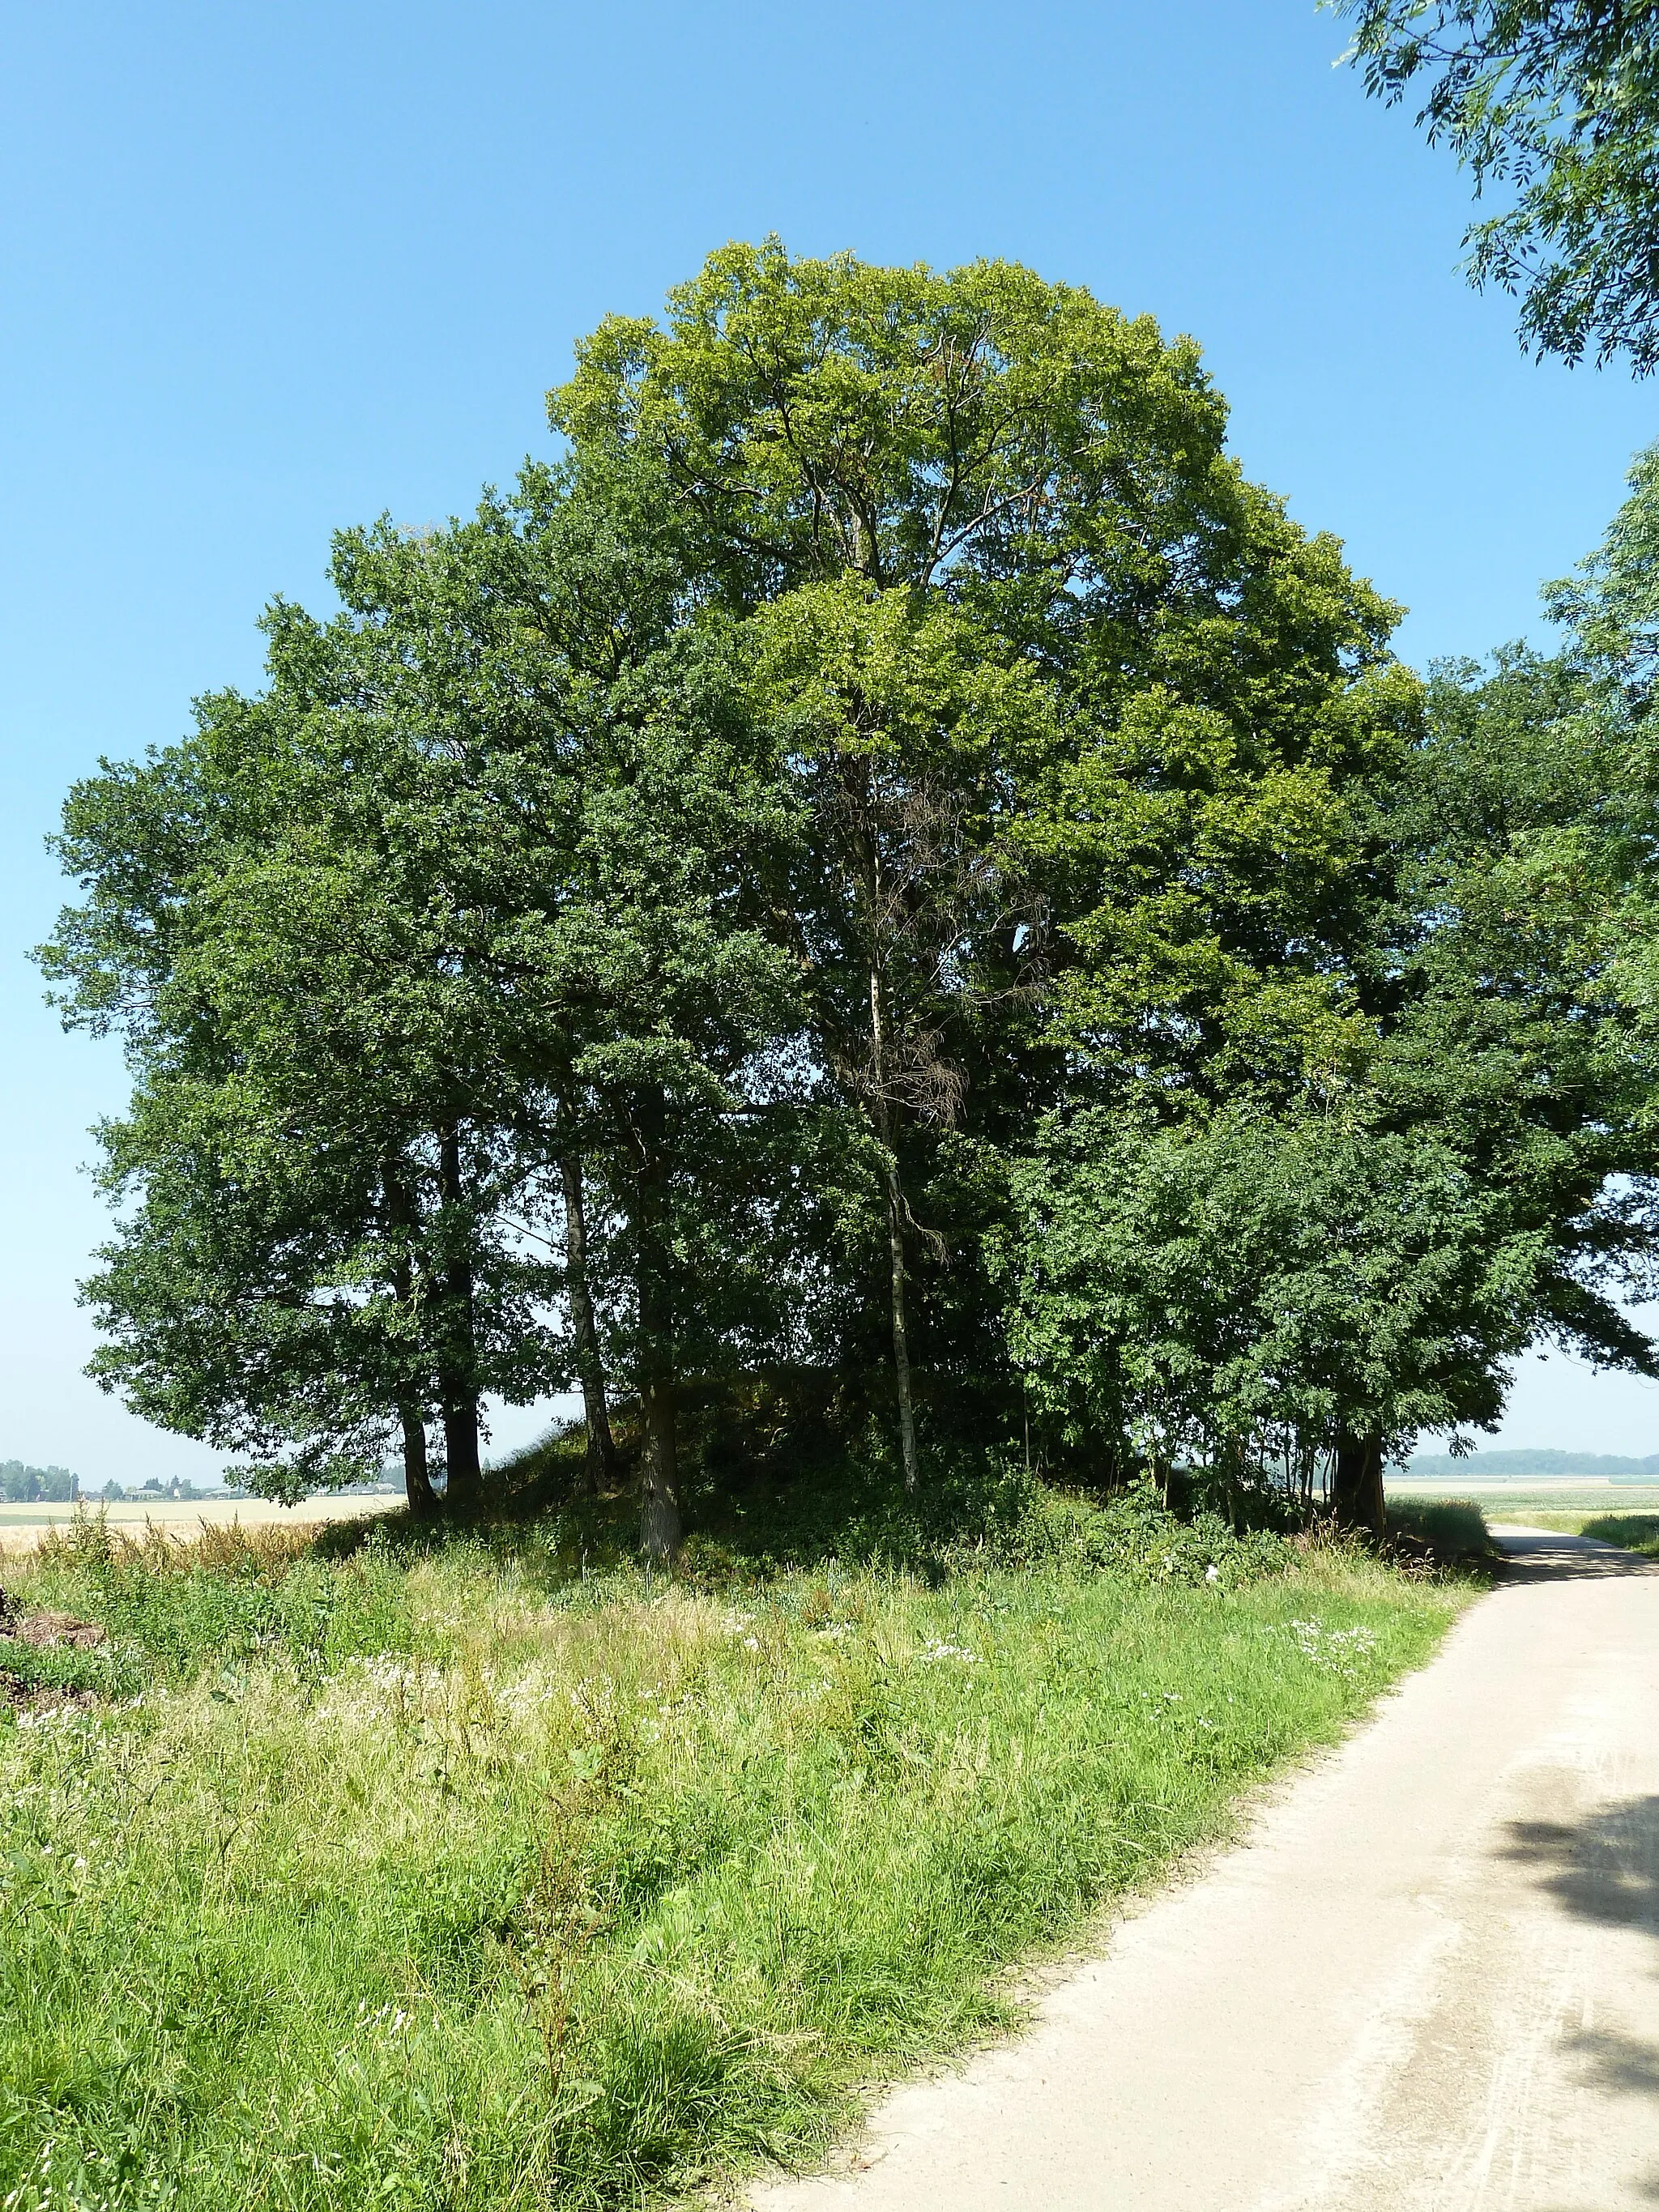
(1451,1531)
(1134,1534)
(106,1671)
(234,1594)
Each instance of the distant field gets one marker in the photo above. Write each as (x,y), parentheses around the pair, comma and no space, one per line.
(21,1526)
(1530,1498)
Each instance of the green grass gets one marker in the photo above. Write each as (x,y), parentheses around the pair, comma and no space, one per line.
(1631,1532)
(1453,1529)
(445,1877)
(1547,1509)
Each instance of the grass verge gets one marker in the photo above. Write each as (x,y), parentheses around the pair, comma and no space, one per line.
(446,1878)
(1631,1532)
(1447,1532)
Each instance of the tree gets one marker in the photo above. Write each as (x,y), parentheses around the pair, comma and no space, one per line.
(317,1252)
(616,792)
(1264,1290)
(1318,1232)
(889,711)
(1034,647)
(893,859)
(1556,104)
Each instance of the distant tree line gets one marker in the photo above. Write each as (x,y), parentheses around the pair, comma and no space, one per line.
(889,887)
(56,1486)
(29,1485)
(1508,1466)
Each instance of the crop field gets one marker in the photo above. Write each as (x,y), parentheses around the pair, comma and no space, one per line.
(1533,1501)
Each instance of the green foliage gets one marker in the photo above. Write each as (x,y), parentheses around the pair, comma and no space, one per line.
(101,1671)
(591,1887)
(24,1486)
(1135,1534)
(171,1608)
(1631,1532)
(1452,1530)
(1259,1279)
(1556,104)
(893,863)
(828,418)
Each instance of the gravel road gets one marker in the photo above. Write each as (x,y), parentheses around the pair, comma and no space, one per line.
(1427,1981)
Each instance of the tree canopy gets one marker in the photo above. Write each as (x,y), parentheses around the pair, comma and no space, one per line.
(893,878)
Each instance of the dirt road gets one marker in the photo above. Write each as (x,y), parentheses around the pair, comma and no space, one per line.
(1428,1981)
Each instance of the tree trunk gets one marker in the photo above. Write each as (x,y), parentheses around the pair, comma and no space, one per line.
(1357,1484)
(661,1530)
(901,1328)
(400,1221)
(896,1280)
(417,1478)
(600,1465)
(466,1491)
(459,1376)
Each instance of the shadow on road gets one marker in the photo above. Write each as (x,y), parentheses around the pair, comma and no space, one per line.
(1538,1556)
(1605,1869)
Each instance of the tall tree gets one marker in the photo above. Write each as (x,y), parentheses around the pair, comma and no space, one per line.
(1007,588)
(617,792)
(894,719)
(302,1141)
(1263,1288)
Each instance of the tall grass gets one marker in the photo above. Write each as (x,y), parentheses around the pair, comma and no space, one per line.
(453,1880)
(1631,1532)
(1453,1529)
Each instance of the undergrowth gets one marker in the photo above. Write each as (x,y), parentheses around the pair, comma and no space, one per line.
(1451,1530)
(1631,1532)
(489,1871)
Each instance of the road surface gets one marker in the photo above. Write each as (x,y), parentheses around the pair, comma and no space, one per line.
(1427,1981)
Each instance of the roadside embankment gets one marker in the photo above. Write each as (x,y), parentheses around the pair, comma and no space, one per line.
(420,1871)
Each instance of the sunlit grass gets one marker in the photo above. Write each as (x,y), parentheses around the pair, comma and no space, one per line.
(1631,1532)
(1454,1527)
(453,1880)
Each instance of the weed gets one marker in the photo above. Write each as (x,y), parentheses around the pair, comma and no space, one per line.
(1631,1532)
(442,1874)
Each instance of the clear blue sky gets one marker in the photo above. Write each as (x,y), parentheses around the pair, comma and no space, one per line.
(270,271)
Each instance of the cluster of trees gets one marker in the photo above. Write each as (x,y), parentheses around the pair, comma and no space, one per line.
(27,1486)
(56,1486)
(892,869)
